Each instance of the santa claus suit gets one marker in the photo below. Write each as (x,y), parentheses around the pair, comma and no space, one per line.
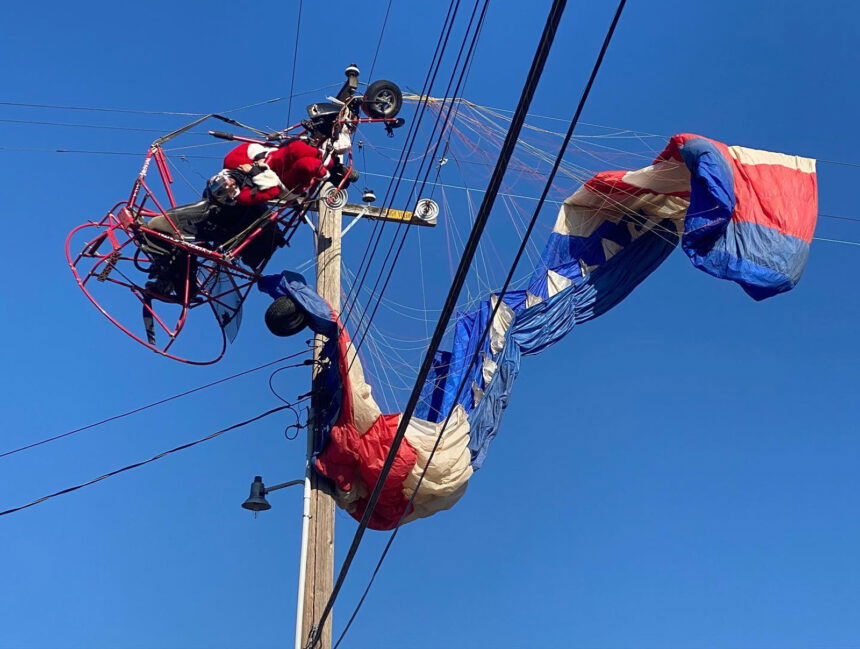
(289,169)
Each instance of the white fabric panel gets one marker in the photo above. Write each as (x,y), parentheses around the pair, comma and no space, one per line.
(585,211)
(488,369)
(756,157)
(580,214)
(610,248)
(556,283)
(448,474)
(477,394)
(661,178)
(365,410)
(532,300)
(500,325)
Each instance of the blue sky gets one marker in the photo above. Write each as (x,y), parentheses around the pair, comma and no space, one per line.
(681,472)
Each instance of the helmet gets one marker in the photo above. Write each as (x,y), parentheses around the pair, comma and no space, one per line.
(224,187)
(322,118)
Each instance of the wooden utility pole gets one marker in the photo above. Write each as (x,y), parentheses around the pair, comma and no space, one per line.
(319,560)
(317,563)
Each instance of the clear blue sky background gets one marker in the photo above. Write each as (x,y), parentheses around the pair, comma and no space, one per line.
(679,473)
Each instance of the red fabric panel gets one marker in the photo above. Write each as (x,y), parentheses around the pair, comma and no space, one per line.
(611,185)
(776,197)
(351,459)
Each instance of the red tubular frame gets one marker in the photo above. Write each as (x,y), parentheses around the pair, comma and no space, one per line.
(124,225)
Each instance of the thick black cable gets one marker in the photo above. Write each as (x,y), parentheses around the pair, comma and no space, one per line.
(150,460)
(530,86)
(154,403)
(295,57)
(500,295)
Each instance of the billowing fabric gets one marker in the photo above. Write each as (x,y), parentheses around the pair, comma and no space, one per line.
(739,214)
(354,436)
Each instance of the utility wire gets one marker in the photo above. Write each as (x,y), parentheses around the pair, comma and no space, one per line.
(414,184)
(295,58)
(135,111)
(402,163)
(217,433)
(451,110)
(379,41)
(517,121)
(466,375)
(156,403)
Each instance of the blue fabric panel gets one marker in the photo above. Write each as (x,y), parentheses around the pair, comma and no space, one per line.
(321,321)
(712,195)
(467,333)
(294,285)
(532,331)
(760,259)
(615,280)
(430,403)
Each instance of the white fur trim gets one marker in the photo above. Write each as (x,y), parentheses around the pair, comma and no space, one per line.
(256,149)
(267,179)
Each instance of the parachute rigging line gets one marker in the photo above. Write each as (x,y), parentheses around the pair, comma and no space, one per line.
(529,88)
(156,403)
(176,449)
(400,226)
(412,135)
(583,98)
(400,167)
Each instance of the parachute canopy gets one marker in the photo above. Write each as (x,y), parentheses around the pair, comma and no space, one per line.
(739,214)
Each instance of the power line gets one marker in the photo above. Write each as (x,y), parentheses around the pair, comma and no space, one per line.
(217,433)
(379,41)
(155,403)
(850,243)
(412,135)
(137,111)
(295,58)
(529,88)
(466,375)
(451,109)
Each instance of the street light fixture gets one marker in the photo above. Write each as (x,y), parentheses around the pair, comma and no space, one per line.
(257,502)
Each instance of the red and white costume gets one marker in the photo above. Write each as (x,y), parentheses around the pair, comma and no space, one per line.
(288,170)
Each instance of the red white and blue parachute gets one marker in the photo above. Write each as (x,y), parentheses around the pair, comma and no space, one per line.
(739,214)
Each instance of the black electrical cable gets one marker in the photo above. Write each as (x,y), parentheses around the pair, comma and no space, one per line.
(530,86)
(152,459)
(379,41)
(156,403)
(295,57)
(526,236)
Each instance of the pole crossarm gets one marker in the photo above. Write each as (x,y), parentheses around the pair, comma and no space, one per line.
(382,214)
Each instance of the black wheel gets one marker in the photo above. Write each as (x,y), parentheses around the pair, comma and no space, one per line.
(382,100)
(284,317)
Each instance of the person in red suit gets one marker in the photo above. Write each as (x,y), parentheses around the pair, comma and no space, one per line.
(285,172)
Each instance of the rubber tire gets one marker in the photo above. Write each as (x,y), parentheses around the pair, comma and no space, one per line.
(284,318)
(378,90)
